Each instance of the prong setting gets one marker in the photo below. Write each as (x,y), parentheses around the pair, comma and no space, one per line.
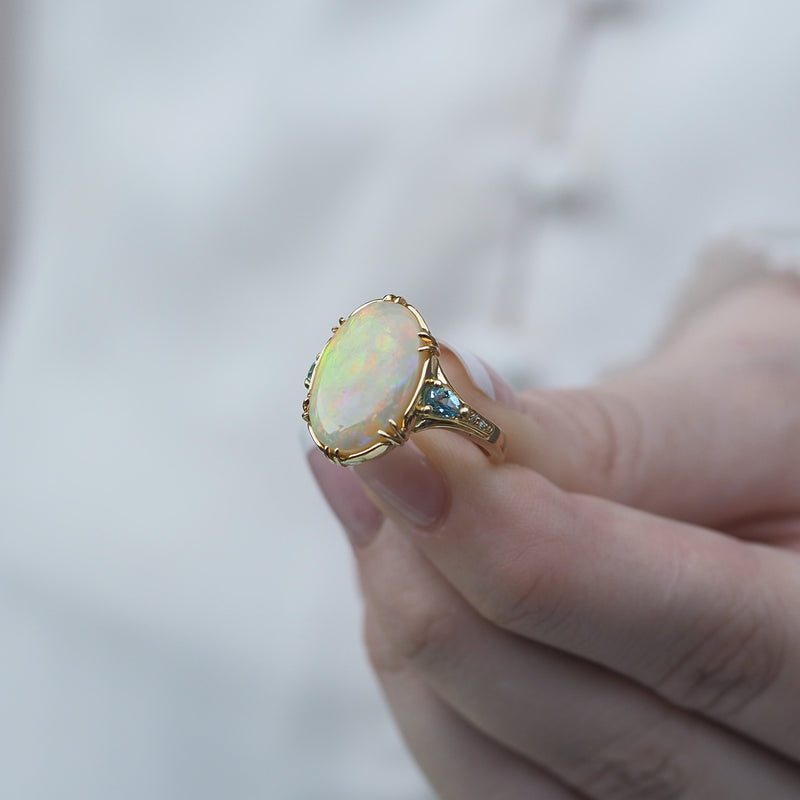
(395,436)
(433,403)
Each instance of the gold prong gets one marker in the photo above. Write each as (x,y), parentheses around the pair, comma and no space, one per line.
(394,298)
(428,343)
(333,455)
(334,329)
(396,436)
(342,320)
(306,416)
(398,430)
(463,412)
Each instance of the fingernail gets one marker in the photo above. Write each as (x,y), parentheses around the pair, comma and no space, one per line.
(359,516)
(408,483)
(475,369)
(486,379)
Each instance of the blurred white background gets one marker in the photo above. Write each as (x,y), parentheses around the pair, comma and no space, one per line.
(197,191)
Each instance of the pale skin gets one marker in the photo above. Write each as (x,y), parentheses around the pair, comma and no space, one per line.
(614,612)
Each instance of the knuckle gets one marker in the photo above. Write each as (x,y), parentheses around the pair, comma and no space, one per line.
(729,666)
(527,584)
(527,597)
(421,633)
(612,430)
(383,658)
(777,377)
(534,588)
(642,765)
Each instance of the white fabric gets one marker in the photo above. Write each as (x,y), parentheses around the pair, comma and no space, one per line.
(203,190)
(732,263)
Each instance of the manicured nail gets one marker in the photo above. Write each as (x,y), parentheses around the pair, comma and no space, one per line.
(359,516)
(408,483)
(483,376)
(475,369)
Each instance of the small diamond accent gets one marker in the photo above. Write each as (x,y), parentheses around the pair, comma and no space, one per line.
(479,422)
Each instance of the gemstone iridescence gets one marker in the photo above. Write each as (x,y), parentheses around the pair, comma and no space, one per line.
(368,373)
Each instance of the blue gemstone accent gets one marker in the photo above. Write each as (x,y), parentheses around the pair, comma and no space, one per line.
(442,401)
(312,368)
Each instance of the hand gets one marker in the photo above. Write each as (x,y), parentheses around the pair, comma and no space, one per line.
(614,612)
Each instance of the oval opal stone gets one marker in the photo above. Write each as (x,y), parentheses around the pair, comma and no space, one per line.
(367,374)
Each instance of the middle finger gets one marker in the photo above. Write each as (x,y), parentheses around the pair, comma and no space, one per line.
(599,733)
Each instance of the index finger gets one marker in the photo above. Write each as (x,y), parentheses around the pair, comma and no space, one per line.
(697,617)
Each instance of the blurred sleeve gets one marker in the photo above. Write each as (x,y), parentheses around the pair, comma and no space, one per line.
(9,63)
(730,263)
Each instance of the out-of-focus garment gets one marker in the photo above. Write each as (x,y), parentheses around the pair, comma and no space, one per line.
(203,189)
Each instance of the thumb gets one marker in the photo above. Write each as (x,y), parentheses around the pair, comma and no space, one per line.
(707,432)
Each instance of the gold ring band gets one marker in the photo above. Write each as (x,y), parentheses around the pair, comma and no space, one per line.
(378,380)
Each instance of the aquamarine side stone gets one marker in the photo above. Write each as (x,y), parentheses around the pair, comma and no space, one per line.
(443,402)
(311,369)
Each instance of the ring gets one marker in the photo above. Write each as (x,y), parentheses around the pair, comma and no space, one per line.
(378,380)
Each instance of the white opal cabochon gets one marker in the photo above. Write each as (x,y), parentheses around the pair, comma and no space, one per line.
(368,374)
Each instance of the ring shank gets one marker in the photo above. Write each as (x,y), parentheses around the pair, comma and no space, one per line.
(465,420)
